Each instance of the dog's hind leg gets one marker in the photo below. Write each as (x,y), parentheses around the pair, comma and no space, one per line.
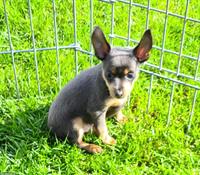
(80,128)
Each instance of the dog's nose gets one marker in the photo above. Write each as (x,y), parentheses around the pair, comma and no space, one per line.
(118,93)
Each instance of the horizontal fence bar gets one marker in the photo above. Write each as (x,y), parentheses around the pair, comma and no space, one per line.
(70,46)
(85,51)
(155,9)
(170,79)
(172,72)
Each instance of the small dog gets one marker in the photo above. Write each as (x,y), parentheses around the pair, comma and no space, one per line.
(101,91)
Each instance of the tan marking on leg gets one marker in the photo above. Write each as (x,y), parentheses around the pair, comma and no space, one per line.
(103,134)
(79,124)
(80,135)
(103,131)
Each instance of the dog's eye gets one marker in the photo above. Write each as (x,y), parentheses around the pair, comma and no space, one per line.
(110,75)
(130,76)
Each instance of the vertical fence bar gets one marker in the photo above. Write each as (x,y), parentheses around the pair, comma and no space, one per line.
(33,42)
(192,110)
(182,38)
(91,30)
(170,103)
(129,22)
(56,43)
(164,35)
(129,34)
(112,21)
(197,67)
(147,17)
(149,94)
(75,37)
(11,49)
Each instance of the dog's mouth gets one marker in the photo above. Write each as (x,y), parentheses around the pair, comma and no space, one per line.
(119,97)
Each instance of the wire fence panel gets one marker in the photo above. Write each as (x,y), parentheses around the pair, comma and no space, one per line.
(66,17)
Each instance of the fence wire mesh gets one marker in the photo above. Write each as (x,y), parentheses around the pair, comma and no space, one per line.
(158,68)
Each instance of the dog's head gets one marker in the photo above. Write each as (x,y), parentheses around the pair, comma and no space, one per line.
(120,65)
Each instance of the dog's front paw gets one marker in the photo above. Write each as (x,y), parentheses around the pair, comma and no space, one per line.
(92,148)
(121,118)
(109,140)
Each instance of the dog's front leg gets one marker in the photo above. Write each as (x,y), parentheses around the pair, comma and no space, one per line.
(101,130)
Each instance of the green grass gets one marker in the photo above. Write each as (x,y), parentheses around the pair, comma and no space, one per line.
(145,145)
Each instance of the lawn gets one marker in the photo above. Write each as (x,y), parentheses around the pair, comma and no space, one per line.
(145,144)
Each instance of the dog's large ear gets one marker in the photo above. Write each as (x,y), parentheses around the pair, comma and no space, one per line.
(141,51)
(101,46)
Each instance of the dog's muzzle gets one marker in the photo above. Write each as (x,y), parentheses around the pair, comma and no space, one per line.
(119,93)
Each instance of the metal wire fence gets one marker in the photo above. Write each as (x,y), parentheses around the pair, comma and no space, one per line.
(154,72)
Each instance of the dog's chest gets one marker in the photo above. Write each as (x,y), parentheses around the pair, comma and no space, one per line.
(115,102)
(113,106)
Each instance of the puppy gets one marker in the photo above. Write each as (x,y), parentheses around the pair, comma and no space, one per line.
(101,91)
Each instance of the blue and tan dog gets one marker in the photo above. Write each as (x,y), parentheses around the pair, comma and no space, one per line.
(101,91)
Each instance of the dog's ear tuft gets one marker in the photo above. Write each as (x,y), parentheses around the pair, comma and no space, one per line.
(101,46)
(141,51)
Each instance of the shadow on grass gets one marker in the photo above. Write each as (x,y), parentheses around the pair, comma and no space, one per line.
(25,127)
